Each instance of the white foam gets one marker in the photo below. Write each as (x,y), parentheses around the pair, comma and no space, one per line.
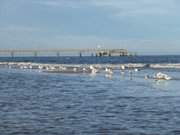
(169,65)
(30,65)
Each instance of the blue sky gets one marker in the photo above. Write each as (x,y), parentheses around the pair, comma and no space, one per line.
(143,26)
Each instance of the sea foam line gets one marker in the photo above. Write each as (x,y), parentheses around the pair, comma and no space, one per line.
(30,65)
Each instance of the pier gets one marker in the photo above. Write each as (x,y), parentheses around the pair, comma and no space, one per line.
(58,52)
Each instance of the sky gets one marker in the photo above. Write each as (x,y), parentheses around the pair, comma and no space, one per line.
(141,26)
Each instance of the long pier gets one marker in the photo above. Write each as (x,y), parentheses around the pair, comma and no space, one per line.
(57,52)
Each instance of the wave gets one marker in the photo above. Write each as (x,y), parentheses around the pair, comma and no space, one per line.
(129,65)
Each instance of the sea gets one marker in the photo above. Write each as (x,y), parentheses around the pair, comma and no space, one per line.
(40,103)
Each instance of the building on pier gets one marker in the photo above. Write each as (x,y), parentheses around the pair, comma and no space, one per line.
(113,52)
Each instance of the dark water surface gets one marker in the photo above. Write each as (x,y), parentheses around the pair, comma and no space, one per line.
(37,103)
(94,60)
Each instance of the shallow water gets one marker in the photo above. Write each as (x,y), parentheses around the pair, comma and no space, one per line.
(37,103)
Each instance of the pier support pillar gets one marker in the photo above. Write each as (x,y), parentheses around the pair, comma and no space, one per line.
(35,54)
(12,54)
(96,54)
(80,54)
(100,54)
(58,54)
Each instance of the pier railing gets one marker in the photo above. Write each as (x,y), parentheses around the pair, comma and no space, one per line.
(80,52)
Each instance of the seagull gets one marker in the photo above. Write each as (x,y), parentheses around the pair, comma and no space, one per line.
(109,71)
(40,67)
(30,67)
(93,69)
(52,68)
(122,67)
(47,68)
(136,70)
(162,76)
(75,69)
(146,77)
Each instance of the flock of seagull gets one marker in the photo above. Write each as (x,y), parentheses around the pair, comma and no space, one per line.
(90,69)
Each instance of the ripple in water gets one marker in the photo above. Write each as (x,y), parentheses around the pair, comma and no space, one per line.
(34,103)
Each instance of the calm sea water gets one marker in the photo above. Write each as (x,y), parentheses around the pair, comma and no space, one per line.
(38,103)
(94,60)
